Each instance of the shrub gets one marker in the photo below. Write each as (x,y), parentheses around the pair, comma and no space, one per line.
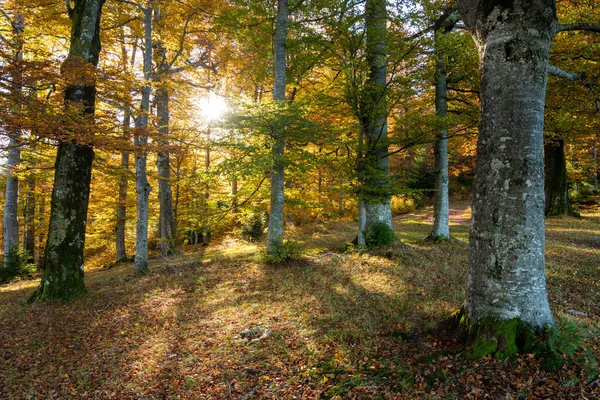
(253,228)
(402,204)
(17,265)
(379,234)
(287,250)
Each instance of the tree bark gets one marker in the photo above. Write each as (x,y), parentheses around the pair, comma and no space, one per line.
(556,187)
(11,196)
(441,207)
(166,221)
(374,113)
(506,279)
(142,186)
(63,270)
(29,219)
(275,235)
(121,250)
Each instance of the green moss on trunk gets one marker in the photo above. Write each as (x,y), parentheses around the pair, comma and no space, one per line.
(504,338)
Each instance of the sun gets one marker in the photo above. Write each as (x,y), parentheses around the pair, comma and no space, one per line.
(212,107)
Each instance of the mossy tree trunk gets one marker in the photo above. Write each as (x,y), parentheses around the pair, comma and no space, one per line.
(63,270)
(374,168)
(506,279)
(556,187)
(276,210)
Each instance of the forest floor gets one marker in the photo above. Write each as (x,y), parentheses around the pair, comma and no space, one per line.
(346,325)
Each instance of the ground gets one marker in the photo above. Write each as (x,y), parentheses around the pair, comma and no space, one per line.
(343,324)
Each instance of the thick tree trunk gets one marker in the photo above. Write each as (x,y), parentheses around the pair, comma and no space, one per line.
(441,208)
(142,186)
(275,235)
(62,275)
(166,220)
(11,196)
(506,280)
(556,187)
(377,165)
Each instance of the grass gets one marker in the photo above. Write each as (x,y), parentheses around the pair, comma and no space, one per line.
(343,324)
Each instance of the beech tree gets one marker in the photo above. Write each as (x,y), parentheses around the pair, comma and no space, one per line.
(11,221)
(63,269)
(506,285)
(275,235)
(374,165)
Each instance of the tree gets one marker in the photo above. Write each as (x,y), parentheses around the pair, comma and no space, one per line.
(374,165)
(506,285)
(11,211)
(63,270)
(556,189)
(441,228)
(142,186)
(275,235)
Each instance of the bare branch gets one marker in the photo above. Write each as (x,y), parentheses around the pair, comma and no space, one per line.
(561,73)
(577,27)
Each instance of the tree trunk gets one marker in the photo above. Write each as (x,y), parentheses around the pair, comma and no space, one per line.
(63,274)
(377,165)
(11,196)
(206,224)
(275,235)
(121,250)
(234,200)
(556,187)
(441,208)
(506,282)
(166,220)
(142,186)
(29,217)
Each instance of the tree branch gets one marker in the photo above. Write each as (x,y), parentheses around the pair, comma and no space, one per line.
(577,27)
(561,73)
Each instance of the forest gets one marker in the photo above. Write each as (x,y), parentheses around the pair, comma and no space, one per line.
(292,199)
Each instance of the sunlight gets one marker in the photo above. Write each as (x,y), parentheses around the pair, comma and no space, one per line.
(212,107)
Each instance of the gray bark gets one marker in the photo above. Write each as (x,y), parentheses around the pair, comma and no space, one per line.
(506,278)
(63,270)
(275,235)
(142,186)
(11,196)
(441,208)
(376,168)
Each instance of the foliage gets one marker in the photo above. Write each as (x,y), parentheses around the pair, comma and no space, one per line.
(379,234)
(17,265)
(288,250)
(253,228)
(402,204)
